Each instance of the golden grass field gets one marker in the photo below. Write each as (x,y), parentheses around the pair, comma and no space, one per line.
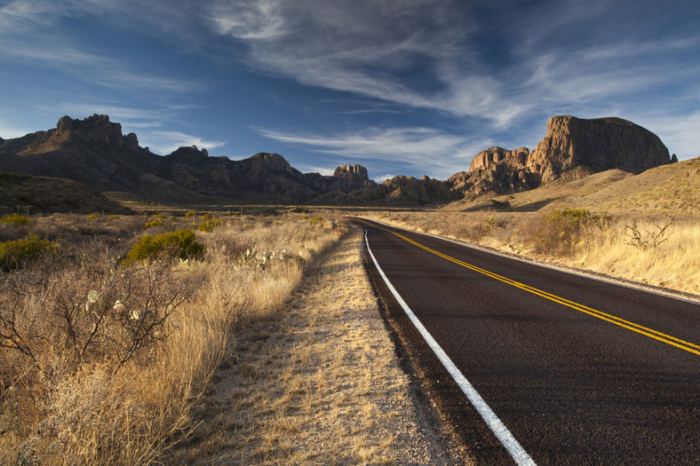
(100,363)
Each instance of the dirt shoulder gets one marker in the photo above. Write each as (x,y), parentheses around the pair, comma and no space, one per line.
(317,384)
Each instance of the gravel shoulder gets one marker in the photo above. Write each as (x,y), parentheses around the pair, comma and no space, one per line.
(318,383)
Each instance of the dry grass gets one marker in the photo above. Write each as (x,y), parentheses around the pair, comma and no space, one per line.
(317,384)
(600,244)
(100,364)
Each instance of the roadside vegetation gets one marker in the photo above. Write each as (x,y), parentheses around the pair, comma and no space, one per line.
(661,249)
(112,326)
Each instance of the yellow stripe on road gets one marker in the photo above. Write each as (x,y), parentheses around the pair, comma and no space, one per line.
(651,333)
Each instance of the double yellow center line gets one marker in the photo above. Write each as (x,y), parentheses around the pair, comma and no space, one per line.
(651,333)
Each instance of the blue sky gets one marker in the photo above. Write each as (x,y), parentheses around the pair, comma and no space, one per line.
(408,87)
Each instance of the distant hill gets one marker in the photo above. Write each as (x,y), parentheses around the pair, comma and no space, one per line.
(41,194)
(94,152)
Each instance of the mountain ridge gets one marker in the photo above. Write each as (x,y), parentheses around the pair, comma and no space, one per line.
(95,152)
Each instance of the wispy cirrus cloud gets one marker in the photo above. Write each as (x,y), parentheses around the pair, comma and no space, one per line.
(502,64)
(418,150)
(369,48)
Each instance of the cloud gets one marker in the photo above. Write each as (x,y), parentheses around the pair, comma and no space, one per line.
(678,132)
(9,131)
(165,142)
(418,149)
(502,64)
(382,178)
(322,170)
(367,48)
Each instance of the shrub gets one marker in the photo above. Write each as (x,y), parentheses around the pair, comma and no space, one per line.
(16,220)
(156,222)
(208,223)
(315,220)
(178,244)
(14,254)
(561,230)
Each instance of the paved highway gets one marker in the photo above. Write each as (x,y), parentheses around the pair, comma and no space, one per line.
(571,370)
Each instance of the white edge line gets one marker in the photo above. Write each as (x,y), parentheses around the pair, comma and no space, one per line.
(497,427)
(673,294)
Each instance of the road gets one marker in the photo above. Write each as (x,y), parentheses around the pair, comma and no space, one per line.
(578,371)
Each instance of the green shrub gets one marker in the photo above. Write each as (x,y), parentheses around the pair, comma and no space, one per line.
(156,222)
(16,220)
(178,244)
(14,254)
(315,220)
(94,215)
(208,223)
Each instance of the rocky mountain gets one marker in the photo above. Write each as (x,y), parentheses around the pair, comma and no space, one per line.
(94,151)
(499,156)
(599,144)
(572,149)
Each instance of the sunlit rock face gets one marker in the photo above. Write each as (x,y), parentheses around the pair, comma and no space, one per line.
(599,144)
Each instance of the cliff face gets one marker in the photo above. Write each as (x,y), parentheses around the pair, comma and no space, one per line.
(573,148)
(350,177)
(497,156)
(600,144)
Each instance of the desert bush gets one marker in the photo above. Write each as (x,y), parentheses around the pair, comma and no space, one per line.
(179,244)
(561,230)
(17,253)
(15,220)
(156,222)
(650,239)
(207,223)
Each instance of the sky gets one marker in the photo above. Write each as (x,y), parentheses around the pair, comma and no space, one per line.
(410,87)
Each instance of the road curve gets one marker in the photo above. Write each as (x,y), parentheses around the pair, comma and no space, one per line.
(579,371)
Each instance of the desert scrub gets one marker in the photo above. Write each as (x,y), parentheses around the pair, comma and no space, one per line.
(152,223)
(100,363)
(17,253)
(207,223)
(179,244)
(15,220)
(562,231)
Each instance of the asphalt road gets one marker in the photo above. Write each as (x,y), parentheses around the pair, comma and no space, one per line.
(579,371)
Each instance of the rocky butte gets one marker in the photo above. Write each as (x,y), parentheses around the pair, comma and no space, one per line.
(571,149)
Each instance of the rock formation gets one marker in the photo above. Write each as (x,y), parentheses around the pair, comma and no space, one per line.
(351,177)
(600,144)
(93,151)
(572,149)
(497,155)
